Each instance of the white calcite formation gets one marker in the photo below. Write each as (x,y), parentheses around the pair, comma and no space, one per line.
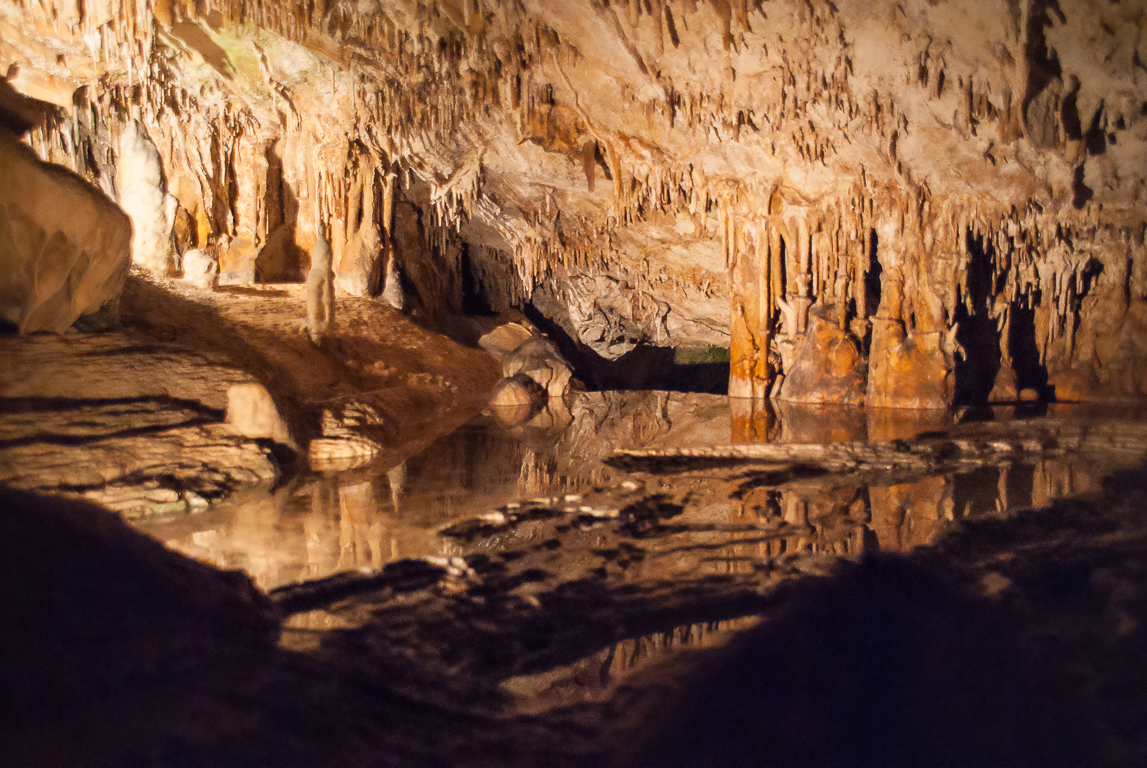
(957,190)
(200,269)
(64,246)
(139,178)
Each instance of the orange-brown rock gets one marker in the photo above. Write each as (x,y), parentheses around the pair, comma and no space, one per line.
(828,366)
(908,371)
(65,247)
(663,175)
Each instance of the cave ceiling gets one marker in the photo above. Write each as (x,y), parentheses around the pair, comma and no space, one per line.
(665,172)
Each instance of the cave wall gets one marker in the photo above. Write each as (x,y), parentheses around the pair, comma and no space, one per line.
(891,203)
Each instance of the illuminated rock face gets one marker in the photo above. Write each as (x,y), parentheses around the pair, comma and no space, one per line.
(670,173)
(65,247)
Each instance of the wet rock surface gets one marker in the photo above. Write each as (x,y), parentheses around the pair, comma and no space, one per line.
(889,616)
(143,421)
(125,422)
(1015,639)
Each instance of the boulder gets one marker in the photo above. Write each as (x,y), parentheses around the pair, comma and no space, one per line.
(200,269)
(341,454)
(65,248)
(252,412)
(505,339)
(539,359)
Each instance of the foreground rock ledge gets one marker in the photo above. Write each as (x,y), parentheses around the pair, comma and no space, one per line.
(135,420)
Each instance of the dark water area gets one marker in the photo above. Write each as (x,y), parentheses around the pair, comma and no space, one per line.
(518,593)
(319,526)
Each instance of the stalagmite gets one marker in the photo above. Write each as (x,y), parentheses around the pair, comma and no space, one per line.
(320,293)
(200,269)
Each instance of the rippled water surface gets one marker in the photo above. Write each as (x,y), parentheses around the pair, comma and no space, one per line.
(318,526)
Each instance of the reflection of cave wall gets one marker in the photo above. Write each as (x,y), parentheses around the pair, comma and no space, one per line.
(938,180)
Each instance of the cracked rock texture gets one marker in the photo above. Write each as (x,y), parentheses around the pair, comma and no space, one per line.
(131,425)
(969,177)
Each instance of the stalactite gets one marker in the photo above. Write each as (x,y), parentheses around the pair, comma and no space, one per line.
(411,89)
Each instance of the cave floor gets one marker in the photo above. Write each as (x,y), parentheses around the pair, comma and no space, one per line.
(134,419)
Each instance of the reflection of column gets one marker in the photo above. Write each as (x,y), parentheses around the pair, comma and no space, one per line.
(317,530)
(537,475)
(396,476)
(357,512)
(1002,490)
(908,515)
(258,540)
(1040,484)
(751,419)
(796,510)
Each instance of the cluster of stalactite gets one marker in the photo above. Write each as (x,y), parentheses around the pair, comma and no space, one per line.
(915,300)
(836,209)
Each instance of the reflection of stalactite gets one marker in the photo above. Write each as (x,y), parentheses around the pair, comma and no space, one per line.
(608,666)
(538,474)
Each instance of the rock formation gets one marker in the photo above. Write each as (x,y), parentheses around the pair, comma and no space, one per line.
(139,178)
(64,247)
(200,269)
(251,411)
(320,292)
(961,186)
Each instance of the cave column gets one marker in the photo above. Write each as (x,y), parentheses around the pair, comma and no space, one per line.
(750,330)
(907,368)
(392,281)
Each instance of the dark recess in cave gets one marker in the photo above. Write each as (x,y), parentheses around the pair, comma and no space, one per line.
(474,301)
(1030,372)
(976,330)
(1069,113)
(280,262)
(1043,64)
(1096,137)
(872,276)
(1081,192)
(643,367)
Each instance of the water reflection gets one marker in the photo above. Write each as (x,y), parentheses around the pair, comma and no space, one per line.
(782,422)
(326,525)
(851,519)
(593,676)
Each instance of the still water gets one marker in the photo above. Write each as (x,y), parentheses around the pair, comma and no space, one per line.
(316,526)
